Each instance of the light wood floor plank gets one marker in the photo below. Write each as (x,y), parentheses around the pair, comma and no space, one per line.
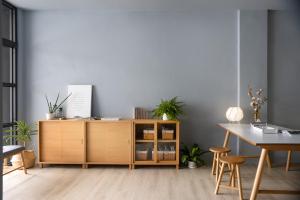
(147,183)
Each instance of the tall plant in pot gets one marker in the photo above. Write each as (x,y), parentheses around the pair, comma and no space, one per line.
(52,108)
(191,157)
(169,109)
(22,133)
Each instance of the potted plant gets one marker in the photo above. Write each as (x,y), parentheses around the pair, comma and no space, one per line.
(169,109)
(52,108)
(192,157)
(22,133)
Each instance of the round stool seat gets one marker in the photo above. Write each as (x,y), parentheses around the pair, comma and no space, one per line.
(232,159)
(219,149)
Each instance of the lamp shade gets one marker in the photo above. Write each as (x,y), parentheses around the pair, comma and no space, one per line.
(234,114)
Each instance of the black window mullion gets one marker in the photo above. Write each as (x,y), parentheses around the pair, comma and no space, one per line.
(11,43)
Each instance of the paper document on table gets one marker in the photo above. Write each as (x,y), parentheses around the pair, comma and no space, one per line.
(80,102)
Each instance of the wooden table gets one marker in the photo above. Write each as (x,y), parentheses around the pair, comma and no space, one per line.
(267,142)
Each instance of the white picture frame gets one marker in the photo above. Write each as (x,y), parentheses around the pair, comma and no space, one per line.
(79,104)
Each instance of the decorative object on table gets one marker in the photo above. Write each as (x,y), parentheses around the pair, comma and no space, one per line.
(256,102)
(234,114)
(22,133)
(52,108)
(169,109)
(60,114)
(142,113)
(192,157)
(263,127)
(80,103)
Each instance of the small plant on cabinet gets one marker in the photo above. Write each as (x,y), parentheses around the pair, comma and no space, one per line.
(52,108)
(169,109)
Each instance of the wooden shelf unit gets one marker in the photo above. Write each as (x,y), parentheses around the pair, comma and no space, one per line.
(91,142)
(155,158)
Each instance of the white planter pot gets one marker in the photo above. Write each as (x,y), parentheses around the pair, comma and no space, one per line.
(192,165)
(50,116)
(165,116)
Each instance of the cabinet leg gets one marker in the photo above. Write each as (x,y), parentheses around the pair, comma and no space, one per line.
(129,167)
(132,166)
(177,167)
(86,166)
(41,165)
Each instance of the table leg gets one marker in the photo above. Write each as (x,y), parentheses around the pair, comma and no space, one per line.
(226,139)
(288,162)
(259,171)
(269,161)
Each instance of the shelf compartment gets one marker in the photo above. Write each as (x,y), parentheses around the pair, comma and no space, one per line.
(144,131)
(166,131)
(143,151)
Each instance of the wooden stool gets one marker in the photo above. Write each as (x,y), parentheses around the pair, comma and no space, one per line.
(234,162)
(218,151)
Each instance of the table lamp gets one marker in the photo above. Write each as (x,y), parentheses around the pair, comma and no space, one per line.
(234,114)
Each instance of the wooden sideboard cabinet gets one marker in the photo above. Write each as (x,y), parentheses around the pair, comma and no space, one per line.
(61,142)
(108,142)
(124,142)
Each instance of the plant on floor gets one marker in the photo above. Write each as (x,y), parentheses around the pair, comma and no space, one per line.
(22,133)
(191,157)
(169,109)
(52,108)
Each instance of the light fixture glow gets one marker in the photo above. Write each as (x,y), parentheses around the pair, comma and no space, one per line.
(234,114)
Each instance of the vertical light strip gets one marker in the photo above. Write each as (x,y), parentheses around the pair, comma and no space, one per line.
(238,72)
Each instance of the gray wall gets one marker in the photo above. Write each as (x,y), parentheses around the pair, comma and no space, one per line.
(134,59)
(284,70)
(137,58)
(253,49)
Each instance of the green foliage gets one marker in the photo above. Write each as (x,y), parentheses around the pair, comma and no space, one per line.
(172,108)
(22,132)
(194,154)
(53,107)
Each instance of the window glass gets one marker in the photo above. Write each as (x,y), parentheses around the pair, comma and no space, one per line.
(6,104)
(6,64)
(6,23)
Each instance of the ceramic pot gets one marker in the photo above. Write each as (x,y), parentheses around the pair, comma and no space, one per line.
(165,116)
(50,116)
(192,164)
(29,159)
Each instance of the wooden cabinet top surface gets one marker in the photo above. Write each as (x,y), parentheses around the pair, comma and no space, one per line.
(109,121)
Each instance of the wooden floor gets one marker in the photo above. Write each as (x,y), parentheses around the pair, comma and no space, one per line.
(119,183)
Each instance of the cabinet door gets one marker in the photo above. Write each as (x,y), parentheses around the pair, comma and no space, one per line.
(49,142)
(72,142)
(109,142)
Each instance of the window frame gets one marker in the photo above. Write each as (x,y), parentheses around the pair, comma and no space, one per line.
(12,84)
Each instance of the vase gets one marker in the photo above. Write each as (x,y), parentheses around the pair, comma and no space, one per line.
(192,165)
(50,116)
(165,116)
(256,115)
